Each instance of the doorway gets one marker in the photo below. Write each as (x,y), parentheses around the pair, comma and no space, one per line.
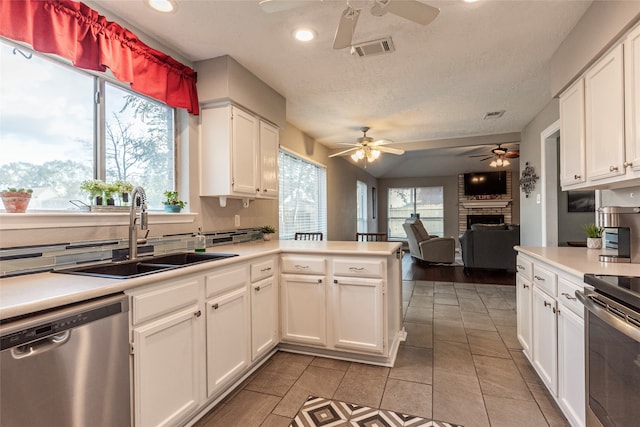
(549,176)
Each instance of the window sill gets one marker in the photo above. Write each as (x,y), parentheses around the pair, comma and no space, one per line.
(30,220)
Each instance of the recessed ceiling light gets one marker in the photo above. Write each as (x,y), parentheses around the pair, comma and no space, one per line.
(162,5)
(304,34)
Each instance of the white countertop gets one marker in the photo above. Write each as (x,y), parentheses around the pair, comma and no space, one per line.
(580,261)
(28,293)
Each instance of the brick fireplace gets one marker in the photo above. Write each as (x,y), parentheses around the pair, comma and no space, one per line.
(491,208)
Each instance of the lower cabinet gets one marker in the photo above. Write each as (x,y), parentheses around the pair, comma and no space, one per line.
(304,309)
(524,293)
(545,338)
(264,314)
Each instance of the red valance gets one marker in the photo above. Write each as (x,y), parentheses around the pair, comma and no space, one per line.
(78,33)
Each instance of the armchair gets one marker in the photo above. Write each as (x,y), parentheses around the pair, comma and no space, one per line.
(428,248)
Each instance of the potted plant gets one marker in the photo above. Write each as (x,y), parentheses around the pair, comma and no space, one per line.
(594,236)
(172,203)
(267,232)
(109,191)
(95,188)
(123,188)
(16,200)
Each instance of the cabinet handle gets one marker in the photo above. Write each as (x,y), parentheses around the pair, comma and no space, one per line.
(356,268)
(257,190)
(577,176)
(335,281)
(627,164)
(547,304)
(265,190)
(539,278)
(257,288)
(265,269)
(613,168)
(568,296)
(520,267)
(301,267)
(197,313)
(556,310)
(215,306)
(525,286)
(319,280)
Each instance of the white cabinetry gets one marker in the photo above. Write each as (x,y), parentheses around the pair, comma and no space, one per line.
(168,352)
(523,303)
(572,140)
(604,109)
(238,154)
(632,98)
(264,307)
(228,326)
(545,342)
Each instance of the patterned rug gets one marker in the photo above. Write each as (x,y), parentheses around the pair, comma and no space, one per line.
(321,412)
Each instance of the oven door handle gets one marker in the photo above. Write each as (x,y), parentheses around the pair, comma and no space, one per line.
(610,319)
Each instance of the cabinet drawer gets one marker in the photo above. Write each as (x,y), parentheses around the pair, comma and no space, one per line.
(358,267)
(545,280)
(262,270)
(153,303)
(524,267)
(567,296)
(226,280)
(303,265)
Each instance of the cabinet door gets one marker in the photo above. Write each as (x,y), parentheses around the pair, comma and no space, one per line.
(604,105)
(304,309)
(545,336)
(264,317)
(632,97)
(357,314)
(571,373)
(523,313)
(168,365)
(269,145)
(244,152)
(572,139)
(228,338)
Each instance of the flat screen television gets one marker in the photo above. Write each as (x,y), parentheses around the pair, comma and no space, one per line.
(485,183)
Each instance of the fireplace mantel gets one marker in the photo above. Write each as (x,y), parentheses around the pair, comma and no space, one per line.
(478,204)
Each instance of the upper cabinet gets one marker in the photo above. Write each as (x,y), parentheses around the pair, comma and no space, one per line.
(269,145)
(603,108)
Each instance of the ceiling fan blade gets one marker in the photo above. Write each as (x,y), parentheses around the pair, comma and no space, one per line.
(348,144)
(274,6)
(390,150)
(344,152)
(381,142)
(412,10)
(513,154)
(487,158)
(479,155)
(346,28)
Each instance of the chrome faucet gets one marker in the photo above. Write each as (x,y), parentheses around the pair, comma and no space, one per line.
(137,194)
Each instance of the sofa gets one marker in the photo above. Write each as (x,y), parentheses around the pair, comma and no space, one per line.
(425,247)
(490,246)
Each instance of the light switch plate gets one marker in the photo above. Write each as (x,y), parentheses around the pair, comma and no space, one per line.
(538,199)
(237,220)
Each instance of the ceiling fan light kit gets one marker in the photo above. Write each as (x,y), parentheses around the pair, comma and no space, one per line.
(368,149)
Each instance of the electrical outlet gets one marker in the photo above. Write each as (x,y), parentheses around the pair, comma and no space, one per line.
(237,220)
(538,199)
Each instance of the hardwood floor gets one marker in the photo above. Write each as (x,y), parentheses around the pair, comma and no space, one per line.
(415,270)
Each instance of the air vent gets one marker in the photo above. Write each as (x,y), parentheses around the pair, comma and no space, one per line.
(374,47)
(493,115)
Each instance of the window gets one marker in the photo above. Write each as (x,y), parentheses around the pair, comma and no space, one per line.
(303,196)
(361,207)
(425,202)
(54,135)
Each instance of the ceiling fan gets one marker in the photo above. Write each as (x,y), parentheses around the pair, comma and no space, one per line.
(368,149)
(500,156)
(412,10)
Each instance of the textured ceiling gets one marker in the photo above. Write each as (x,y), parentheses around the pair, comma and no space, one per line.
(437,85)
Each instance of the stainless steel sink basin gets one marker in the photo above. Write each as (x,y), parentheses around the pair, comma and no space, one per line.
(144,266)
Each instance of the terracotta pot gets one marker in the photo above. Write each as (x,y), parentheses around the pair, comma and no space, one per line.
(15,202)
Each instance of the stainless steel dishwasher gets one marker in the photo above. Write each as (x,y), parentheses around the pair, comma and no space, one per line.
(68,367)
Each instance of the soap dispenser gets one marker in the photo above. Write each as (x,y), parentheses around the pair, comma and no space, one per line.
(200,243)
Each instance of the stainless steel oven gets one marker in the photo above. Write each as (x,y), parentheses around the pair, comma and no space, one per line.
(612,350)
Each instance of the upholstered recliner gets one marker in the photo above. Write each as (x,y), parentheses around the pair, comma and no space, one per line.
(490,246)
(428,248)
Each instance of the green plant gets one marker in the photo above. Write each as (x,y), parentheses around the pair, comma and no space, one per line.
(95,187)
(267,229)
(171,198)
(593,231)
(123,186)
(17,190)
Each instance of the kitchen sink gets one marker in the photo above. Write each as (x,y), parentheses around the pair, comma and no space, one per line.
(144,266)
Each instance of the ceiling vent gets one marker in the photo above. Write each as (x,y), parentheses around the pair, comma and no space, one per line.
(373,47)
(493,115)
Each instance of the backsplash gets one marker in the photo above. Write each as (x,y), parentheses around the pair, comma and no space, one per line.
(41,258)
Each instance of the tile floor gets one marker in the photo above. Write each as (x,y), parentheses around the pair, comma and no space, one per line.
(461,363)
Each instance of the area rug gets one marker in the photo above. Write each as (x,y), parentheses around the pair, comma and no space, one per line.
(321,412)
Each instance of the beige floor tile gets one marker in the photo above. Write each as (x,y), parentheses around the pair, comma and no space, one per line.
(487,343)
(413,364)
(276,421)
(471,304)
(458,399)
(460,285)
(363,385)
(496,302)
(419,334)
(419,315)
(509,335)
(278,376)
(325,362)
(425,283)
(449,356)
(315,381)
(446,312)
(503,317)
(500,377)
(526,370)
(469,293)
(448,299)
(449,330)
(444,288)
(475,320)
(425,291)
(421,301)
(505,412)
(548,406)
(247,409)
(407,397)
